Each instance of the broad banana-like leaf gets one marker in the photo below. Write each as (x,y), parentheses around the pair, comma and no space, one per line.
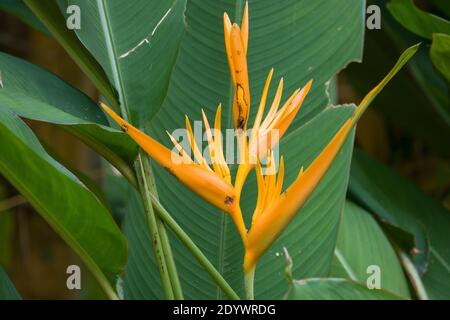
(136,43)
(62,199)
(397,201)
(363,250)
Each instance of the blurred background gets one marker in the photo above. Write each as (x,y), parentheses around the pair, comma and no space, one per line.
(407,128)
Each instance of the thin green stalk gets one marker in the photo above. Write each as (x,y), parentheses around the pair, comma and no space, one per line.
(165,243)
(413,276)
(249,284)
(154,230)
(192,247)
(170,262)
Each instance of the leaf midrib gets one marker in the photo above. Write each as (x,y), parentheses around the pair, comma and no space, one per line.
(112,54)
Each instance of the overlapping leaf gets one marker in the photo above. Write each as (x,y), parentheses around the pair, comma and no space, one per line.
(361,244)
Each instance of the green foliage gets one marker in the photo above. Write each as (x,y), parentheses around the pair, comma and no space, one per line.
(417,21)
(361,243)
(396,201)
(81,220)
(155,61)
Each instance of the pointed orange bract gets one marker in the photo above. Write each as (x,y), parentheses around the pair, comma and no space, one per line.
(197,178)
(236,43)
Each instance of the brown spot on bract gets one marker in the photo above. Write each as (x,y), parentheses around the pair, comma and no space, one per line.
(241,123)
(124,128)
(229,200)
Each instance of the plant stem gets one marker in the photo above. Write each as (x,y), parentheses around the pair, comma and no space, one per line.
(192,247)
(144,188)
(413,276)
(249,284)
(170,262)
(167,250)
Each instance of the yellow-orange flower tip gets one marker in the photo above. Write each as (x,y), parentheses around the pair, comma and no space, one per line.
(242,88)
(245,27)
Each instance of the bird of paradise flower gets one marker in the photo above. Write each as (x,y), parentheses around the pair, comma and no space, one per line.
(275,208)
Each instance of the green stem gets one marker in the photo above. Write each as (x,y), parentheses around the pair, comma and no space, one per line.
(192,247)
(413,275)
(144,188)
(170,261)
(249,284)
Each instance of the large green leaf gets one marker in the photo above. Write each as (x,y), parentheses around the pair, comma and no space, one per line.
(440,54)
(7,289)
(301,40)
(62,199)
(34,93)
(335,289)
(397,201)
(417,21)
(136,43)
(361,243)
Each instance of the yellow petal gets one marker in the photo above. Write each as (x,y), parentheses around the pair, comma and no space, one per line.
(227,36)
(197,153)
(219,146)
(211,145)
(270,138)
(262,104)
(244,27)
(201,181)
(275,104)
(180,150)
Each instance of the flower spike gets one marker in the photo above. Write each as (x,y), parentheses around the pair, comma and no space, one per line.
(236,44)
